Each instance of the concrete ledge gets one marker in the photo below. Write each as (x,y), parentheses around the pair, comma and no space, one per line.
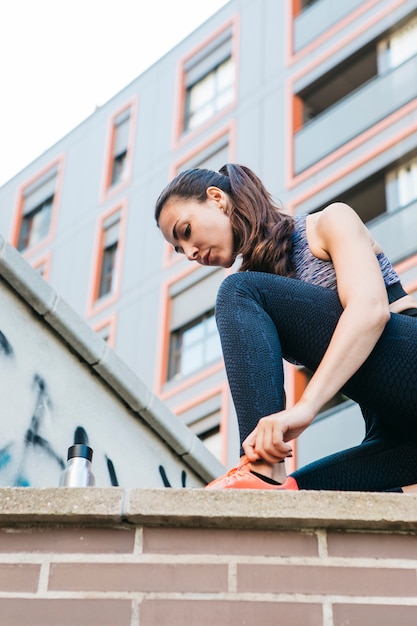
(266,509)
(61,505)
(210,509)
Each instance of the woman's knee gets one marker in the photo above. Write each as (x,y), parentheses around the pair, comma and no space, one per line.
(250,284)
(233,287)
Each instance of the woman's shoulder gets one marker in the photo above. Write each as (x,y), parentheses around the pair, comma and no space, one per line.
(338,221)
(337,215)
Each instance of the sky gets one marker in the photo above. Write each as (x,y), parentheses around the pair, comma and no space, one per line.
(60,59)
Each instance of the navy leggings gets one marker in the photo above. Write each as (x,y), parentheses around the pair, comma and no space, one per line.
(263,318)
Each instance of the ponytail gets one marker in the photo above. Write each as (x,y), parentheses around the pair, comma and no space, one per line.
(263,233)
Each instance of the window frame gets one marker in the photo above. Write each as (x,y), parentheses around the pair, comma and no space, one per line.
(212,102)
(49,177)
(28,224)
(109,186)
(95,302)
(228,30)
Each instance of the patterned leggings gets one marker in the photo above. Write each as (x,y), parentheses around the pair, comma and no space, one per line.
(263,318)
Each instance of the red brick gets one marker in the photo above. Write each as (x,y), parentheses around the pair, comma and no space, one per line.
(67,540)
(218,541)
(374,615)
(326,580)
(19,577)
(372,545)
(230,613)
(138,577)
(21,611)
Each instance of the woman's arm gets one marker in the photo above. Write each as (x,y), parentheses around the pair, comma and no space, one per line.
(338,235)
(363,296)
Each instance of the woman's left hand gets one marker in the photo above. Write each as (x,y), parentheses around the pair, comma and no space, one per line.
(269,439)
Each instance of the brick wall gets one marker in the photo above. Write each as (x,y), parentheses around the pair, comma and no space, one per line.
(189,557)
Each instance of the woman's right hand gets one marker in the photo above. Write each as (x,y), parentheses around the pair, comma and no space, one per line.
(269,440)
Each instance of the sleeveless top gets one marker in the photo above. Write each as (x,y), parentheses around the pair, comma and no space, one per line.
(310,269)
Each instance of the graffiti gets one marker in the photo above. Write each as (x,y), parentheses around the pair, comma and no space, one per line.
(165,480)
(33,437)
(5,346)
(33,440)
(112,473)
(36,422)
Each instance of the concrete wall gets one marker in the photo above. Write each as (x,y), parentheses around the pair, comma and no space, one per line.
(175,557)
(60,382)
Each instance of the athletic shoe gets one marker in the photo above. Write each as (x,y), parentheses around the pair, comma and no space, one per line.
(241,477)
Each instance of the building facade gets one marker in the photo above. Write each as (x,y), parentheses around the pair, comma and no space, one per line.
(319,98)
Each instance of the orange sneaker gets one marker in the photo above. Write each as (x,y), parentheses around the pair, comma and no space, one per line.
(241,477)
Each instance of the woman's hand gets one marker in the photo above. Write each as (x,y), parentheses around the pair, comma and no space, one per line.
(269,439)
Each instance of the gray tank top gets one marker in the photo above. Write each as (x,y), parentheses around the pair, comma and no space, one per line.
(310,269)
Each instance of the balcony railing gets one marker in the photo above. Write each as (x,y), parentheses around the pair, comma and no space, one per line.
(396,232)
(354,114)
(318,18)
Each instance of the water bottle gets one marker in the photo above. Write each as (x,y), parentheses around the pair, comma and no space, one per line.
(78,471)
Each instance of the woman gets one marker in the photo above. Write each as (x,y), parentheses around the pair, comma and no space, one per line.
(316,290)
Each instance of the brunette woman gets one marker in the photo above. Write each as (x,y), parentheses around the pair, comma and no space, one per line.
(318,291)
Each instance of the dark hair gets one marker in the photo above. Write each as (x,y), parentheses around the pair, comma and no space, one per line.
(262,233)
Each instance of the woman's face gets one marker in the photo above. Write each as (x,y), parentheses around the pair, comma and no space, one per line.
(200,230)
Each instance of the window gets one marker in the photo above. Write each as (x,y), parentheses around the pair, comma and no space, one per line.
(193,346)
(38,200)
(403,44)
(398,47)
(407,183)
(35,225)
(120,147)
(106,270)
(194,340)
(111,230)
(207,429)
(209,81)
(402,185)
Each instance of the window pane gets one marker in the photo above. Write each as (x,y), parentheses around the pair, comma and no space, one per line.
(213,348)
(225,75)
(201,115)
(213,442)
(202,92)
(403,44)
(223,99)
(407,183)
(192,359)
(119,168)
(192,335)
(121,138)
(107,270)
(211,325)
(193,347)
(35,225)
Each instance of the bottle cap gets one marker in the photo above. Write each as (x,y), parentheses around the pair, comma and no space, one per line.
(80,449)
